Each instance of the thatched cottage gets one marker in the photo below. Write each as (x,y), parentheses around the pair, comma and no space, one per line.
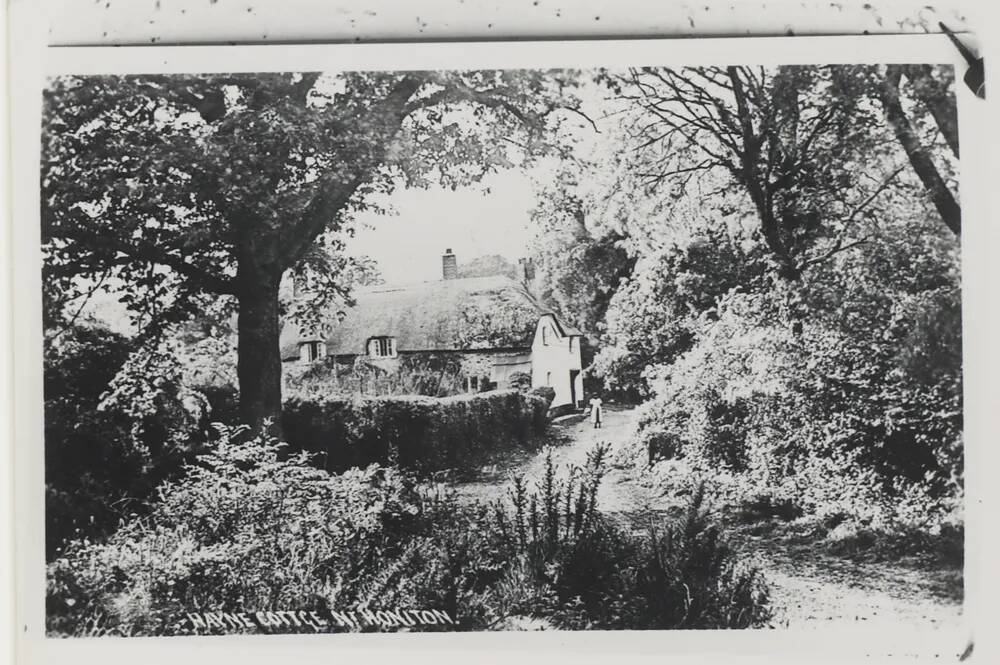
(490,328)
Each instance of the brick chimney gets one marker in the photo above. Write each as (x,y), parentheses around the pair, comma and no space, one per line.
(449,265)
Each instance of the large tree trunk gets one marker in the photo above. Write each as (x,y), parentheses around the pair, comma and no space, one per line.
(263,254)
(920,158)
(937,96)
(258,366)
(757,184)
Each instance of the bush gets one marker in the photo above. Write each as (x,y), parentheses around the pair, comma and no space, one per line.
(106,450)
(579,570)
(545,392)
(252,529)
(520,381)
(429,374)
(420,433)
(243,530)
(223,403)
(814,420)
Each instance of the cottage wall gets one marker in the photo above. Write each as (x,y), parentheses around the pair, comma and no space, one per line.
(506,365)
(478,365)
(556,362)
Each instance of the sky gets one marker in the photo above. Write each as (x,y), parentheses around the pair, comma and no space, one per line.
(471,221)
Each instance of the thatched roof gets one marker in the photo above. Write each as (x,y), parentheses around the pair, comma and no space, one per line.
(428,316)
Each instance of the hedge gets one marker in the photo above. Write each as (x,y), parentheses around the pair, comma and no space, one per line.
(416,432)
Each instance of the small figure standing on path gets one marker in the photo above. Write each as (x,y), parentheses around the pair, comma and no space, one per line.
(596,412)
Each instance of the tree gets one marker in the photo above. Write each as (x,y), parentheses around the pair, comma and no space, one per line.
(935,93)
(487,266)
(174,189)
(504,321)
(579,266)
(107,450)
(653,316)
(806,145)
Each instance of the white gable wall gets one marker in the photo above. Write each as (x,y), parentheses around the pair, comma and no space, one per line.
(553,358)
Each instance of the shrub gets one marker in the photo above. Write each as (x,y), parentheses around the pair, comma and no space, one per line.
(243,530)
(810,419)
(587,572)
(689,577)
(109,441)
(421,433)
(252,529)
(223,401)
(545,392)
(520,381)
(432,375)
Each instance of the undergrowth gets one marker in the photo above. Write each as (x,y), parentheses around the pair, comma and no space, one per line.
(249,529)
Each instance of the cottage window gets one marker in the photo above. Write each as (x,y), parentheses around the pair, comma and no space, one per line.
(382,347)
(298,287)
(545,335)
(472,384)
(312,351)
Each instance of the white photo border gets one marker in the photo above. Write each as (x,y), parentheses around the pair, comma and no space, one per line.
(979,267)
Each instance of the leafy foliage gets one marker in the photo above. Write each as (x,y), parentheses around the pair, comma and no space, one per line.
(650,319)
(506,321)
(429,374)
(249,528)
(789,304)
(579,265)
(108,442)
(820,405)
(487,266)
(806,146)
(420,433)
(167,188)
(521,381)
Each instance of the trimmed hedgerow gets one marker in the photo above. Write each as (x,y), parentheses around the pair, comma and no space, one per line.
(414,432)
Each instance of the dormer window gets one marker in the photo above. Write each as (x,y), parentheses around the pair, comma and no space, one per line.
(312,351)
(382,347)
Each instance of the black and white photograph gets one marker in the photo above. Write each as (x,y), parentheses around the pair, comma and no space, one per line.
(657,346)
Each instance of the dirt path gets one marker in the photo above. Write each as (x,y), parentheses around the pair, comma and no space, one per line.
(810,588)
(621,491)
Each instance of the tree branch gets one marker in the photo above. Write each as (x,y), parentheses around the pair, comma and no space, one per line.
(148,253)
(86,299)
(751,177)
(335,190)
(837,248)
(573,109)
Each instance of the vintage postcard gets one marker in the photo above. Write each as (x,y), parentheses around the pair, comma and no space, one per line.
(479,338)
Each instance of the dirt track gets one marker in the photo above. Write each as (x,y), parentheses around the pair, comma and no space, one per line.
(810,587)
